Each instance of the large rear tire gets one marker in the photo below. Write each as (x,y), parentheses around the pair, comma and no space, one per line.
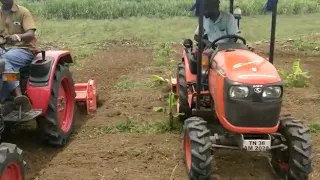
(182,91)
(294,163)
(12,166)
(58,123)
(197,149)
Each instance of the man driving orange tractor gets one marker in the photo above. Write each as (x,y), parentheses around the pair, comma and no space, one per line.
(216,23)
(17,26)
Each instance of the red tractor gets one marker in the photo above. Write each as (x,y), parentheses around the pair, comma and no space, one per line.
(48,83)
(231,98)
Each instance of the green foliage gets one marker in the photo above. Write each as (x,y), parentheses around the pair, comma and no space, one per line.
(110,9)
(171,103)
(163,52)
(132,127)
(159,80)
(314,127)
(297,77)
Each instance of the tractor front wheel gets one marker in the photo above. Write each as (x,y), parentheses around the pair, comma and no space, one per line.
(58,123)
(197,149)
(293,163)
(12,166)
(182,91)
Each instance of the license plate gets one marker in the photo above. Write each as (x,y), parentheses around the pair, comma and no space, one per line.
(256,145)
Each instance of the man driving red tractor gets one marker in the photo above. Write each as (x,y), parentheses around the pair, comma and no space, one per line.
(18,28)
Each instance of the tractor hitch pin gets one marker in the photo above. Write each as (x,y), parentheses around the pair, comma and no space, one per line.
(225,147)
(282,146)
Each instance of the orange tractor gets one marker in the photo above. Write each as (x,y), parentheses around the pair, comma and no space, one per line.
(48,83)
(231,98)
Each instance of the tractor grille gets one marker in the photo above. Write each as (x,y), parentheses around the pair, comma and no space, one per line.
(252,114)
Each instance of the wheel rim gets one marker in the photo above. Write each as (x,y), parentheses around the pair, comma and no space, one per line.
(187,150)
(65,104)
(12,172)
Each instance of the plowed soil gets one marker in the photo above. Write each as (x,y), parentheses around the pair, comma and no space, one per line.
(133,156)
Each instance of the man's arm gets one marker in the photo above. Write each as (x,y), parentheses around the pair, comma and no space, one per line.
(29,26)
(204,39)
(232,27)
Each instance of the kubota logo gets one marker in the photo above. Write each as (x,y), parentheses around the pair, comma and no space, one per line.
(257,90)
(247,63)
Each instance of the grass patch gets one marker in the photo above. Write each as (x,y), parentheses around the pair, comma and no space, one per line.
(154,127)
(310,44)
(314,127)
(126,83)
(110,9)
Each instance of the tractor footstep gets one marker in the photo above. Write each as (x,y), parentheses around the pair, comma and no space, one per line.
(14,116)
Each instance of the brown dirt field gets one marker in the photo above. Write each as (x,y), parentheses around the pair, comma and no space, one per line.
(133,156)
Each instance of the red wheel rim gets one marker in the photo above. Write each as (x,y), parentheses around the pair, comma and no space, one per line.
(187,150)
(12,172)
(65,104)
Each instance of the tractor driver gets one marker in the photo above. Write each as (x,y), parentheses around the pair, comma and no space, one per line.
(18,27)
(216,23)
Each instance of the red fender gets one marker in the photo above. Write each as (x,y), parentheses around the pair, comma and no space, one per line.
(40,96)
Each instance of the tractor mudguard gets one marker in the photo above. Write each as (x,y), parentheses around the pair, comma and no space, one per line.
(39,85)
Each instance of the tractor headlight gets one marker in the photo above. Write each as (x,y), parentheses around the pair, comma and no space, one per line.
(239,92)
(272,92)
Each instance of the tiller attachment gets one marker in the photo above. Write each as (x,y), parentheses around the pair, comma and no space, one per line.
(86,93)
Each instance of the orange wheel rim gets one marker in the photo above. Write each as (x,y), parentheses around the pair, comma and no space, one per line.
(187,150)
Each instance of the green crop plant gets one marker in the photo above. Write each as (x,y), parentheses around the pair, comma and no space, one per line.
(297,77)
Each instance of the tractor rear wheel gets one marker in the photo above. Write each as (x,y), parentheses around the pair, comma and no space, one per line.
(182,91)
(294,163)
(12,165)
(58,123)
(197,149)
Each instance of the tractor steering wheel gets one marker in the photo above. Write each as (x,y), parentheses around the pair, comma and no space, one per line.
(228,37)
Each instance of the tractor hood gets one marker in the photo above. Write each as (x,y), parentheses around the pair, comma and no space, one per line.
(246,67)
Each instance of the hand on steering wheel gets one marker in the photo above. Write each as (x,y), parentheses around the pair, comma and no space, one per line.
(236,37)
